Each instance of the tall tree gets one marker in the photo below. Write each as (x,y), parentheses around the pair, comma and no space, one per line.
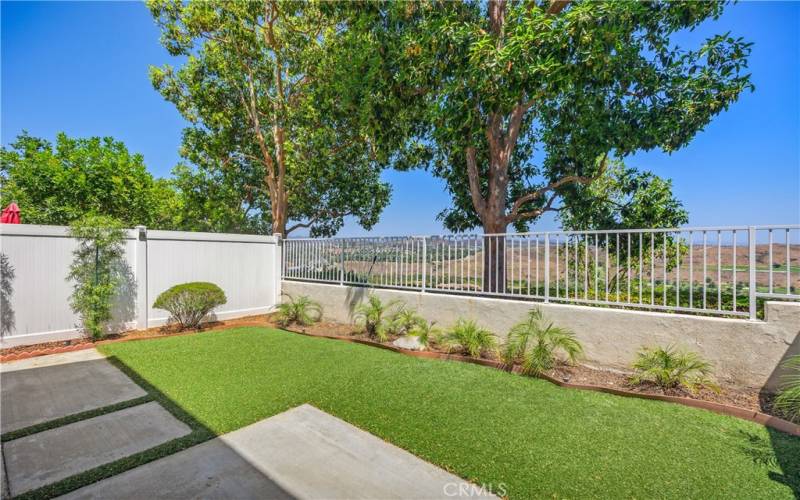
(219,196)
(522,105)
(258,91)
(58,184)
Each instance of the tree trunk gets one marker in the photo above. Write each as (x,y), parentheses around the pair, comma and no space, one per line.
(501,140)
(492,208)
(494,257)
(279,219)
(494,264)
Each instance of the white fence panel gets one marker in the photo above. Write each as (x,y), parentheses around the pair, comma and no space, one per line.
(35,263)
(35,290)
(242,265)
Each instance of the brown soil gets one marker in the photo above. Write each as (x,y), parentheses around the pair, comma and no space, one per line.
(43,346)
(161,331)
(580,374)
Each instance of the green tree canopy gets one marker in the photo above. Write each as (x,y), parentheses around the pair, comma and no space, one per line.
(58,184)
(262,87)
(521,106)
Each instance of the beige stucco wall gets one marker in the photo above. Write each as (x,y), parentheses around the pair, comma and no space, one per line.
(745,353)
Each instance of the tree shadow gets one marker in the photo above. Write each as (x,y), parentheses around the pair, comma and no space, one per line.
(355,295)
(785,448)
(208,469)
(124,305)
(7,317)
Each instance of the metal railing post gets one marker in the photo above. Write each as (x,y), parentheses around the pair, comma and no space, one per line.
(547,267)
(751,264)
(424,263)
(341,262)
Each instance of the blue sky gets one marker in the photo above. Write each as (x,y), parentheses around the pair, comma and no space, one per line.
(81,68)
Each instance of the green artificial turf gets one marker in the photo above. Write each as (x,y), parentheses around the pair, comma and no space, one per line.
(524,435)
(75,417)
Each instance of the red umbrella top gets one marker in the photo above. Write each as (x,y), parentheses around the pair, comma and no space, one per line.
(10,215)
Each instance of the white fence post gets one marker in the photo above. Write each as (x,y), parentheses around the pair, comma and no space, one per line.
(546,267)
(278,266)
(141,277)
(751,264)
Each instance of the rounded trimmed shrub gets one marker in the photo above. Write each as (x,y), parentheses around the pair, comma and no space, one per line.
(189,303)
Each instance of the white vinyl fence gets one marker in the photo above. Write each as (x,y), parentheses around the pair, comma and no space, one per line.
(35,291)
(724,271)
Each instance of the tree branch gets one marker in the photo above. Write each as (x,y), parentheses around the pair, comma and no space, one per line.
(548,207)
(514,127)
(514,214)
(310,222)
(557,6)
(497,18)
(474,184)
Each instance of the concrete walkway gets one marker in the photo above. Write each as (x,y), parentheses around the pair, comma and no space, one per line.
(39,390)
(46,457)
(302,453)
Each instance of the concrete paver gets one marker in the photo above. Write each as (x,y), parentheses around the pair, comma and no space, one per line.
(211,470)
(46,457)
(301,453)
(47,389)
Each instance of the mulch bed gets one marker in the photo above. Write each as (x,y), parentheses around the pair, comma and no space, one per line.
(585,375)
(45,348)
(580,375)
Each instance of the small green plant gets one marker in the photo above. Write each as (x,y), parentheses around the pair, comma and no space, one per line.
(98,270)
(404,320)
(373,315)
(189,303)
(535,345)
(426,332)
(469,338)
(301,310)
(788,400)
(671,368)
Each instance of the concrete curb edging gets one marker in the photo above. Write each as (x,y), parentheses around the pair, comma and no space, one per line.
(732,411)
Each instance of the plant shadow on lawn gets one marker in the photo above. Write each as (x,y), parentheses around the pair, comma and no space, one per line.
(779,451)
(199,434)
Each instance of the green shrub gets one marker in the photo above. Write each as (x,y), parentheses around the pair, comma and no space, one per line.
(426,332)
(670,368)
(189,303)
(788,400)
(372,317)
(98,270)
(469,338)
(404,320)
(301,310)
(535,345)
